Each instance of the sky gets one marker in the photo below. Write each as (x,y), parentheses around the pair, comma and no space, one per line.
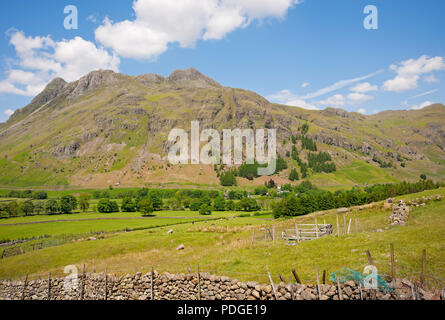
(307,53)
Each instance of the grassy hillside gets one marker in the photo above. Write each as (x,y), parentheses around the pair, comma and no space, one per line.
(111,129)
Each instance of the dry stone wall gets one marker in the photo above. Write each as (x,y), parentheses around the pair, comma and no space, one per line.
(190,287)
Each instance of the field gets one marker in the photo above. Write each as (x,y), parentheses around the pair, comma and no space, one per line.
(223,245)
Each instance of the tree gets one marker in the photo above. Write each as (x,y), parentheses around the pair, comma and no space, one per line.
(156,199)
(205,210)
(13,209)
(423,176)
(219,204)
(248,204)
(52,206)
(39,195)
(128,205)
(227,179)
(230,205)
(68,204)
(106,206)
(261,190)
(28,207)
(84,203)
(38,207)
(146,206)
(194,206)
(294,175)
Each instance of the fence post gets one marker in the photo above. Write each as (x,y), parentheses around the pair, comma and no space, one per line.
(344,222)
(199,284)
(338,227)
(296,233)
(349,226)
(271,283)
(82,288)
(316,228)
(340,294)
(24,287)
(324,276)
(318,284)
(106,285)
(422,278)
(151,284)
(297,278)
(291,288)
(49,286)
(370,260)
(273,234)
(393,273)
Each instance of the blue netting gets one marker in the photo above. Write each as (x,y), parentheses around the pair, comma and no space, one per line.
(347,274)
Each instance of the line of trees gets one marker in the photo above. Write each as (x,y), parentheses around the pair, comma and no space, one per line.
(313,200)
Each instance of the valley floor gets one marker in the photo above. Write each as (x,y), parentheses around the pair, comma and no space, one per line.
(224,246)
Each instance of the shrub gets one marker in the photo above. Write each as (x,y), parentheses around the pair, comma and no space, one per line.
(68,204)
(205,210)
(294,175)
(52,207)
(146,206)
(219,204)
(107,206)
(128,205)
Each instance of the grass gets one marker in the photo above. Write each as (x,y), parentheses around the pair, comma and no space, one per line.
(224,247)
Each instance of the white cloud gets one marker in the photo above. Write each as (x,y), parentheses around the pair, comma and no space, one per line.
(364,87)
(409,72)
(305,84)
(40,59)
(422,105)
(338,85)
(288,98)
(8,112)
(356,98)
(362,111)
(160,23)
(336,100)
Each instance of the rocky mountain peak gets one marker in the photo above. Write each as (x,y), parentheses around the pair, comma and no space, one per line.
(192,77)
(94,80)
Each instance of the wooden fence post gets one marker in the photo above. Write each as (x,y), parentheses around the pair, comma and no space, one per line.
(151,284)
(24,287)
(106,285)
(199,284)
(82,288)
(344,223)
(340,294)
(273,234)
(338,227)
(393,273)
(370,260)
(271,283)
(297,278)
(318,284)
(349,226)
(297,233)
(49,287)
(324,276)
(291,288)
(422,278)
(316,228)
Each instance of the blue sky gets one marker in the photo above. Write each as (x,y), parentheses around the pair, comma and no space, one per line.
(311,53)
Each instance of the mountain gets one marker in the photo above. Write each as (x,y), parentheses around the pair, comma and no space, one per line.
(109,128)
